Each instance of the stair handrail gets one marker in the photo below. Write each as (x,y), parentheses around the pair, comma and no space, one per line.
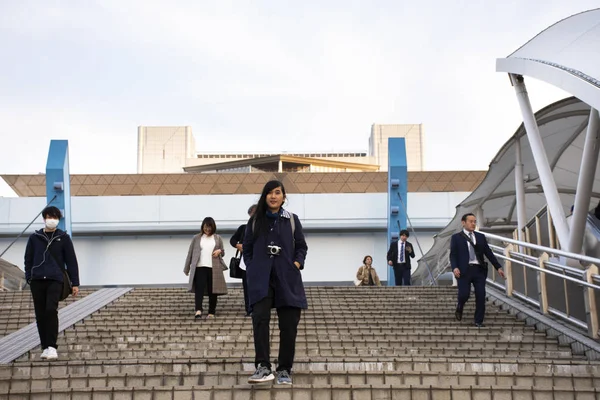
(586,279)
(544,249)
(27,227)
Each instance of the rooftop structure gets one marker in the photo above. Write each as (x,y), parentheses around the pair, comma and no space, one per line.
(172,149)
(242,183)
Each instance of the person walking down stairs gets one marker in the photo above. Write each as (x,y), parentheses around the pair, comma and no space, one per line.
(48,251)
(366,274)
(274,252)
(467,249)
(237,241)
(398,256)
(204,265)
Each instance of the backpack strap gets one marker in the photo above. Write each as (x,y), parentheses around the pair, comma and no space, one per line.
(292,222)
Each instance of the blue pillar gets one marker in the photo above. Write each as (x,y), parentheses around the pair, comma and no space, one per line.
(58,182)
(397,185)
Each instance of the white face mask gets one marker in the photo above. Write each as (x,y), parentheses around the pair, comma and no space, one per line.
(51,223)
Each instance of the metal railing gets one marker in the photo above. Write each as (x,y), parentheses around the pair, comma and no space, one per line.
(562,284)
(11,276)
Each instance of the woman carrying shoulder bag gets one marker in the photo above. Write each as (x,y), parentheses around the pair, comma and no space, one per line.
(237,241)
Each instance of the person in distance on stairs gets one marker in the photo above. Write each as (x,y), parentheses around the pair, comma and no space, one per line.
(204,265)
(366,274)
(274,252)
(48,251)
(467,249)
(398,256)
(237,241)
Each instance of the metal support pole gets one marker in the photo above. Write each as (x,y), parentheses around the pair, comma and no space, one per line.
(585,183)
(479,217)
(520,193)
(541,161)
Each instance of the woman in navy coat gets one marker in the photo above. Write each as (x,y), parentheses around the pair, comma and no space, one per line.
(274,251)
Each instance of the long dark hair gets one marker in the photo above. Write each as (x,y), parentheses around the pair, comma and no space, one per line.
(260,216)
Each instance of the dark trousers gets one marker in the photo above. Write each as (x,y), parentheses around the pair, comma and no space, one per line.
(289,317)
(46,295)
(477,276)
(402,274)
(203,282)
(245,286)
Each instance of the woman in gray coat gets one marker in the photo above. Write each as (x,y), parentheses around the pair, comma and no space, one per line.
(204,264)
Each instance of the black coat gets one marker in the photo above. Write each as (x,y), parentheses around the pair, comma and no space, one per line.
(392,254)
(259,264)
(238,236)
(47,254)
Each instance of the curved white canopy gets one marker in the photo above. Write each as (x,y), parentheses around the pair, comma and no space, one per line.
(566,55)
(563,129)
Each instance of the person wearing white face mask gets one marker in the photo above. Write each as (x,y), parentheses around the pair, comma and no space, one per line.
(47,253)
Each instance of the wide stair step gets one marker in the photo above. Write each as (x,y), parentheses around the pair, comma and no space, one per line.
(353,343)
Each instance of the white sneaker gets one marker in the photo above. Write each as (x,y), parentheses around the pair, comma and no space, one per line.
(52,354)
(44,354)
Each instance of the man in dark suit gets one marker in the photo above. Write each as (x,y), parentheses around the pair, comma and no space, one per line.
(399,256)
(469,267)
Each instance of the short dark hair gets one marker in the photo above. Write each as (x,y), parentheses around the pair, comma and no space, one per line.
(52,212)
(365,259)
(467,215)
(404,232)
(251,208)
(208,221)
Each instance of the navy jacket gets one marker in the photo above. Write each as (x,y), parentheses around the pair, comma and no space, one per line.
(289,291)
(45,259)
(459,251)
(392,254)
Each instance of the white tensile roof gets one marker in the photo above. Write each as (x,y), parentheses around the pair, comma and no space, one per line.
(562,128)
(566,55)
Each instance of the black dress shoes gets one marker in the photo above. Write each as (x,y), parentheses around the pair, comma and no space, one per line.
(458,314)
(479,324)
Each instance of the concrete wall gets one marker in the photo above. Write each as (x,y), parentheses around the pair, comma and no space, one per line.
(111,260)
(144,239)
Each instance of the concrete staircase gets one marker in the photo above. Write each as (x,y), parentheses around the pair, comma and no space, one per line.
(16,309)
(353,343)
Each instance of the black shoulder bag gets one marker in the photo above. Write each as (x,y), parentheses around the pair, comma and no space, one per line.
(478,253)
(234,266)
(67,288)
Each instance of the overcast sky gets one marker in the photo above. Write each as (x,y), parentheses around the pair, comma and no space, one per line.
(261,75)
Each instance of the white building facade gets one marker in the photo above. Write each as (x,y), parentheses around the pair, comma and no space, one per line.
(413,135)
(170,149)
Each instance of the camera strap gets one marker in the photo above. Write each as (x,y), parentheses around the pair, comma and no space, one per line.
(292,222)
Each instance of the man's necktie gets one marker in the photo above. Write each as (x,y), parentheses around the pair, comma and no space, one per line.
(472,257)
(402,253)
